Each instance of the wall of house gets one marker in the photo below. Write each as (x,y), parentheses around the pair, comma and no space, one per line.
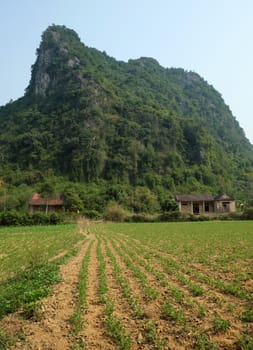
(42,208)
(186,208)
(203,208)
(207,207)
(197,208)
(210,206)
(232,206)
(224,206)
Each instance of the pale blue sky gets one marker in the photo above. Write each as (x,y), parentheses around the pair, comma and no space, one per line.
(211,37)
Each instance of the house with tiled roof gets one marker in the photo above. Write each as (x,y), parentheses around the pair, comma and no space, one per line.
(205,204)
(39,204)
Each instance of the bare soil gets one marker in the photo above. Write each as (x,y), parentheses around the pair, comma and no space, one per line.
(94,333)
(54,330)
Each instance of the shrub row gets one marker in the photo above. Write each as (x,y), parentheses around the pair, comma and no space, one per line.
(14,218)
(118,214)
(248,214)
(115,213)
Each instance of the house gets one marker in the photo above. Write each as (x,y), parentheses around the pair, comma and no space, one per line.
(205,204)
(37,203)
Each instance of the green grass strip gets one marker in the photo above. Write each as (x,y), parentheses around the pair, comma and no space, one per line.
(28,287)
(115,329)
(102,274)
(81,305)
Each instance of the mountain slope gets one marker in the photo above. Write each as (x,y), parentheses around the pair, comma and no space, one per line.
(88,117)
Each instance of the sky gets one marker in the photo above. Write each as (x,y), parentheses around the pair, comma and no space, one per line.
(213,38)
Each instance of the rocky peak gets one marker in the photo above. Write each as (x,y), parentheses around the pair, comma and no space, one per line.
(55,53)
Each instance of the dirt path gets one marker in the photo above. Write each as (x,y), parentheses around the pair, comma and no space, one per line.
(54,329)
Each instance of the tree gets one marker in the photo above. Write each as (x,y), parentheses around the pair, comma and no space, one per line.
(72,200)
(46,191)
(169,204)
(3,195)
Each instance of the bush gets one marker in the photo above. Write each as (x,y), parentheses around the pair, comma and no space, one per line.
(10,218)
(169,204)
(91,214)
(40,219)
(143,218)
(143,201)
(248,214)
(115,212)
(203,218)
(25,219)
(235,216)
(192,217)
(55,219)
(14,218)
(171,216)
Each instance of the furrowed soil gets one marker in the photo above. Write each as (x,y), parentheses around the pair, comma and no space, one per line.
(169,315)
(53,331)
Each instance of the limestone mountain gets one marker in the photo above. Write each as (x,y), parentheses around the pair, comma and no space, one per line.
(89,118)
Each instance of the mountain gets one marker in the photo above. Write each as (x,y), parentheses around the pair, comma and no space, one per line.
(88,118)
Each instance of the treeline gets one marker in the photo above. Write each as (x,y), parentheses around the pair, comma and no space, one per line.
(89,199)
(114,213)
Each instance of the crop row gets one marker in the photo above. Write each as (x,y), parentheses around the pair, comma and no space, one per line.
(179,298)
(113,325)
(173,268)
(168,311)
(187,275)
(26,247)
(81,305)
(151,334)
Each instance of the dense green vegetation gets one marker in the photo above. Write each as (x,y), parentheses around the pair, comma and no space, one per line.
(101,130)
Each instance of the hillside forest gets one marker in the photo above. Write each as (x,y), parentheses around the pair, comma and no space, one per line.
(101,131)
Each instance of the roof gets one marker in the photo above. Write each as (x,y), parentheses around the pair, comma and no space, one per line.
(36,199)
(223,197)
(194,197)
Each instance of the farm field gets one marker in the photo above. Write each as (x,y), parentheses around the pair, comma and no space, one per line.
(21,247)
(130,286)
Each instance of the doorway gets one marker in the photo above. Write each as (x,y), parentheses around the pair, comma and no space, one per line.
(196,208)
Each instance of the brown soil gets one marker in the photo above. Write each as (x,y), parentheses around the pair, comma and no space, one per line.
(54,330)
(94,333)
(214,302)
(138,329)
